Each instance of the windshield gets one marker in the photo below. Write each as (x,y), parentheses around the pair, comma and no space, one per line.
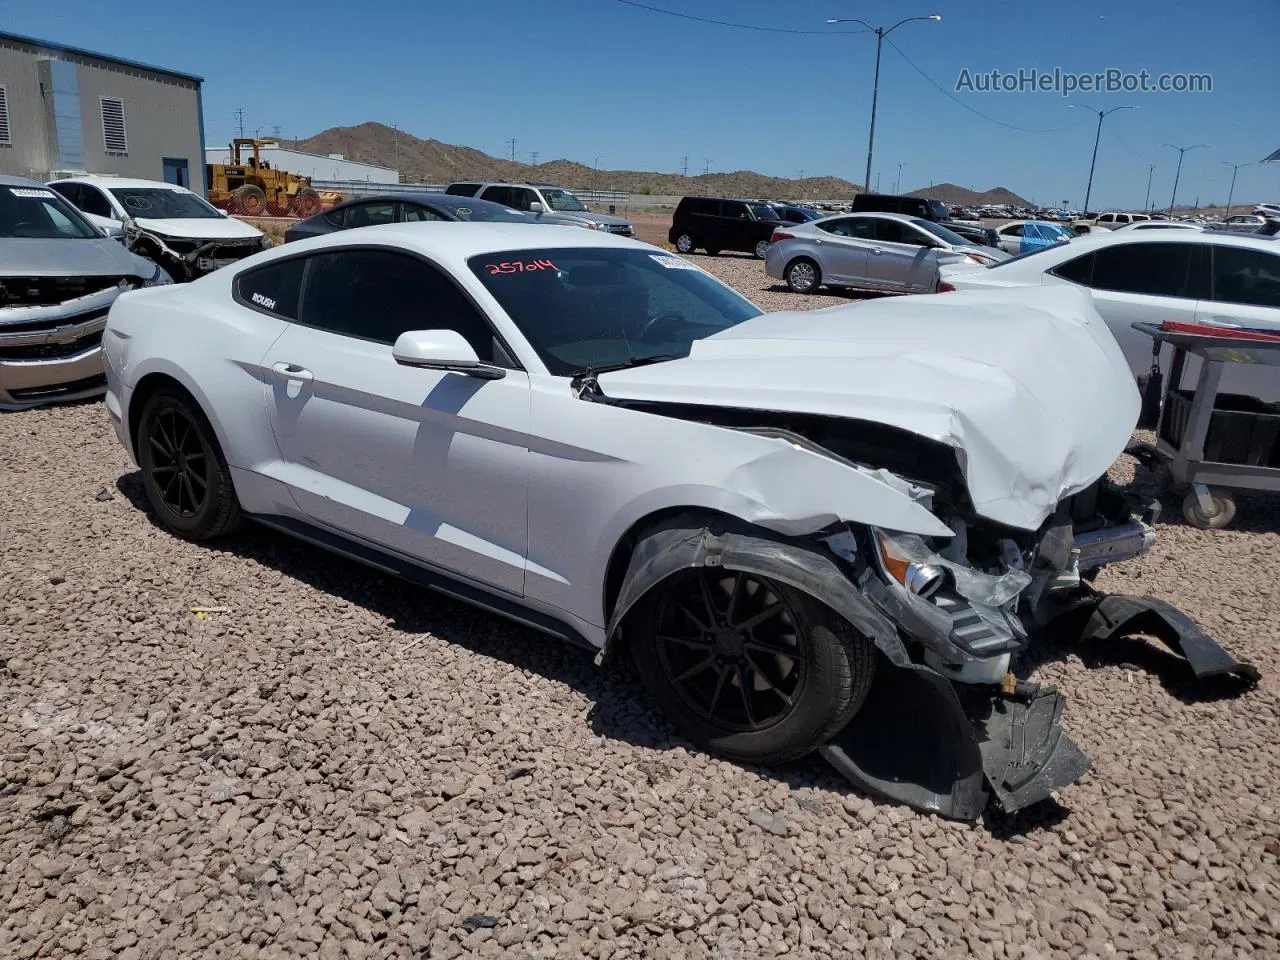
(482,211)
(35,213)
(938,209)
(158,203)
(763,211)
(563,200)
(942,233)
(582,307)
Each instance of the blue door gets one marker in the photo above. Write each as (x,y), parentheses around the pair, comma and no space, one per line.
(175,172)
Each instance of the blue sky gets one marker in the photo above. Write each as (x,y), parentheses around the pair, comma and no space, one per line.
(596,78)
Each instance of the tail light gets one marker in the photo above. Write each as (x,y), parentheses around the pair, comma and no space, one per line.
(944,287)
(781,235)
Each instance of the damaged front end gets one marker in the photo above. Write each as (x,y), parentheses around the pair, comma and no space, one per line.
(947,726)
(185,258)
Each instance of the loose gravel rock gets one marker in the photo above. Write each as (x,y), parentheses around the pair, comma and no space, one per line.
(339,765)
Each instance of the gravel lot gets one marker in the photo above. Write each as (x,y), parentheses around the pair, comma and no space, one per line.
(340,765)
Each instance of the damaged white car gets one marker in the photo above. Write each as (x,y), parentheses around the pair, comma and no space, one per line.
(167,224)
(814,531)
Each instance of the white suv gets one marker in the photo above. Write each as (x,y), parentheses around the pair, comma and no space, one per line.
(548,203)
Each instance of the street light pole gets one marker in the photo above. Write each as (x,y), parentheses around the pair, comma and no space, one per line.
(1151,169)
(1232,192)
(897,186)
(1088,191)
(880,33)
(1181,152)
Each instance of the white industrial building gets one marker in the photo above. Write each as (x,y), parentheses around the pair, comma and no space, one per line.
(314,165)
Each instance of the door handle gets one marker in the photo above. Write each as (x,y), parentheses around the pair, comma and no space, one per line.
(291,371)
(876,250)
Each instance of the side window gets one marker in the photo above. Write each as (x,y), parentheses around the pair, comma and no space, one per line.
(70,191)
(1154,269)
(859,228)
(1079,270)
(274,288)
(412,213)
(1246,276)
(702,208)
(370,214)
(523,198)
(379,294)
(894,231)
(337,216)
(735,211)
(1013,231)
(93,201)
(1106,218)
(502,195)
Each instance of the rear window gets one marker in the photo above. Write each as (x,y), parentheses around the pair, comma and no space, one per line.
(462,189)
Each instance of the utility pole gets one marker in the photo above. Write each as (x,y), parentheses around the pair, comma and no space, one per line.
(1151,169)
(880,33)
(1102,114)
(897,187)
(684,166)
(1232,192)
(596,163)
(396,128)
(877,183)
(512,143)
(1181,153)
(533,157)
(240,120)
(706,166)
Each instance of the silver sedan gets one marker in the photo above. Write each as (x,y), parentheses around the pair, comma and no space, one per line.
(874,251)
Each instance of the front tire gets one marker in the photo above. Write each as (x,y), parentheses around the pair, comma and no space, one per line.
(184,472)
(803,276)
(749,667)
(685,243)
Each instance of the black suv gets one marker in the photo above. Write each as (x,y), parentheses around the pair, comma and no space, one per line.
(716,225)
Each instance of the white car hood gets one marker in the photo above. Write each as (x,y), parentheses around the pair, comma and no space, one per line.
(200,228)
(1027,384)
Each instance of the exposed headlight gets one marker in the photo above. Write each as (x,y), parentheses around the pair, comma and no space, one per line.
(160,278)
(922,579)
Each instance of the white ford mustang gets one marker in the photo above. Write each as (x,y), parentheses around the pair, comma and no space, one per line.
(824,530)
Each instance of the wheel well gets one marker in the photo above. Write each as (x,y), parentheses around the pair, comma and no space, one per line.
(616,570)
(802,257)
(147,386)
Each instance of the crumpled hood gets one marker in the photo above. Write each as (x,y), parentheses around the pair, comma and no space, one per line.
(200,228)
(96,257)
(1027,384)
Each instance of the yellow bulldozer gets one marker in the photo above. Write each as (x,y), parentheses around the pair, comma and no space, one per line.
(249,186)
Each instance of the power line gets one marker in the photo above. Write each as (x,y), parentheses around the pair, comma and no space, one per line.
(1120,141)
(951,96)
(738,26)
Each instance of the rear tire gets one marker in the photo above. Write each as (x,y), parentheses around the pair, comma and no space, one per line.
(249,201)
(685,243)
(776,676)
(803,275)
(762,249)
(184,472)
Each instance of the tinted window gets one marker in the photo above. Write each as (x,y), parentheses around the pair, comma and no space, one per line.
(416,214)
(939,231)
(1154,269)
(273,288)
(93,201)
(1246,276)
(733,210)
(701,207)
(858,227)
(369,214)
(522,198)
(581,307)
(1012,231)
(502,195)
(1079,270)
(894,231)
(378,295)
(462,189)
(69,191)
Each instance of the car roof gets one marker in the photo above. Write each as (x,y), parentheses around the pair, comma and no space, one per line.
(128,182)
(455,242)
(1092,240)
(8,180)
(877,215)
(439,199)
(512,183)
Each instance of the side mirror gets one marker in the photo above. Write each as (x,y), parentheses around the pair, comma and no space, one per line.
(442,350)
(536,207)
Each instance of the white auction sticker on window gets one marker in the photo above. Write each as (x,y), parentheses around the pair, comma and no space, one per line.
(32,194)
(672,263)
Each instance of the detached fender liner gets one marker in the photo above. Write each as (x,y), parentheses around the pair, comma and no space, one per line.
(919,739)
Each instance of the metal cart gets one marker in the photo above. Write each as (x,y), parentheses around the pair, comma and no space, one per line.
(1215,443)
